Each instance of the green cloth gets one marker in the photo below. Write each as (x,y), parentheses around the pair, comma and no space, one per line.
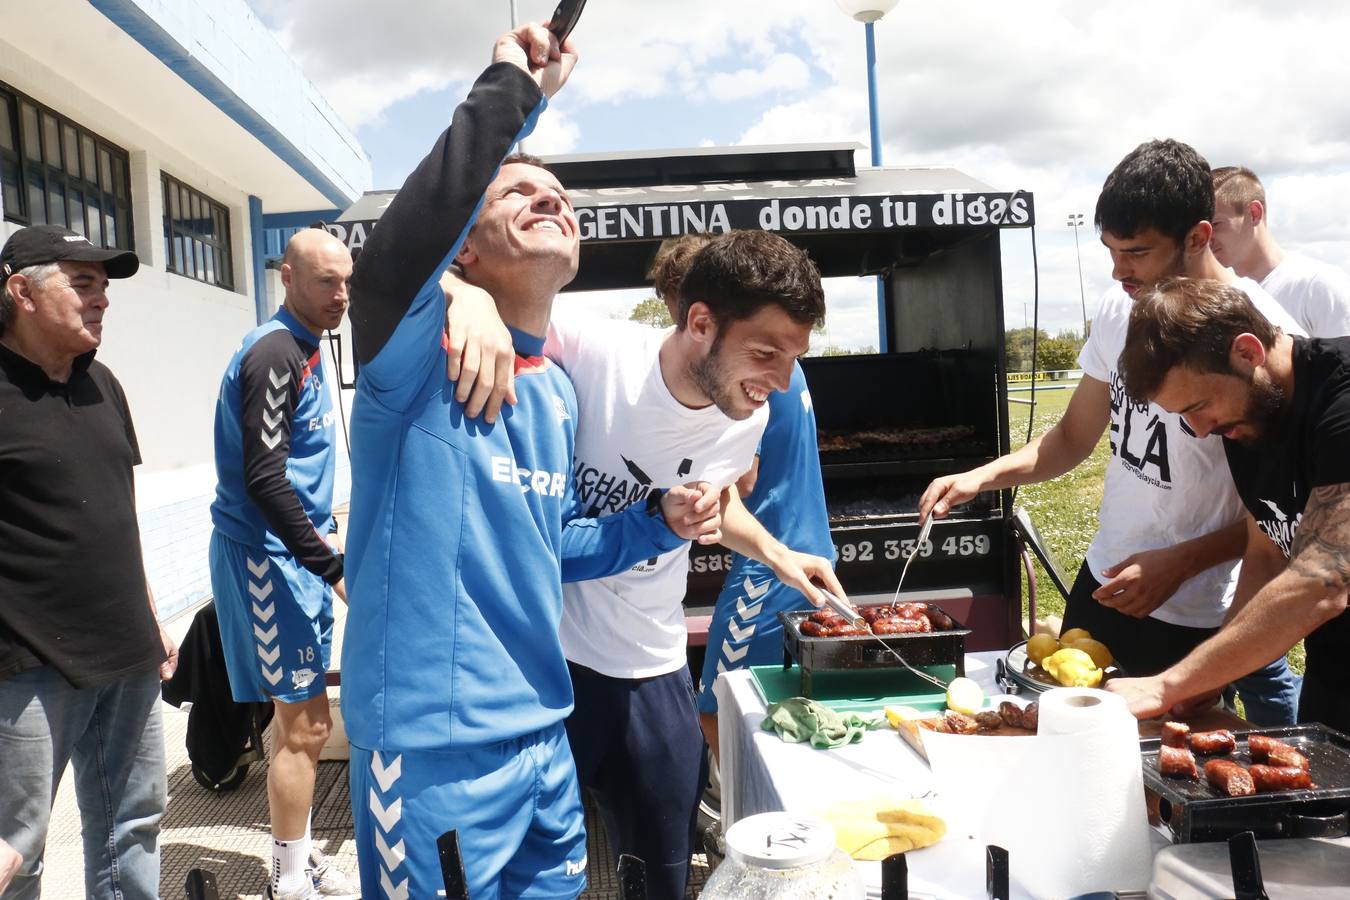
(798,719)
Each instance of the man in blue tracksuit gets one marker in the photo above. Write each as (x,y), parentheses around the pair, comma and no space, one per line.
(273,572)
(454,682)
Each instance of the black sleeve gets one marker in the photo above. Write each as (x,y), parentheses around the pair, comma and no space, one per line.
(270,376)
(427,220)
(125,409)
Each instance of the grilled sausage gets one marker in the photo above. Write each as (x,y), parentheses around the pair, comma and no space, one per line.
(1010,713)
(1174,734)
(1288,756)
(959,723)
(812,628)
(988,720)
(937,618)
(847,629)
(1211,743)
(1265,749)
(901,626)
(825,616)
(1280,778)
(1177,762)
(1031,716)
(912,610)
(1229,777)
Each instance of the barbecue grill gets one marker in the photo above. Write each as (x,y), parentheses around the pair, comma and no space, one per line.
(868,651)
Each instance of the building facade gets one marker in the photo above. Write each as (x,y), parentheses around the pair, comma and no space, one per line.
(182,130)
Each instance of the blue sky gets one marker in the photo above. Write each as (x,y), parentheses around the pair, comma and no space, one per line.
(1042,95)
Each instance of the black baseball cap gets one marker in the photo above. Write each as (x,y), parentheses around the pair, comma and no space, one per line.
(38,245)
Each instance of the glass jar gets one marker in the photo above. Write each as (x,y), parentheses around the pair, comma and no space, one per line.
(781,856)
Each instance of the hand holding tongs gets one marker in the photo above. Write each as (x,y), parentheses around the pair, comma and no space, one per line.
(850,612)
(918,545)
(843,607)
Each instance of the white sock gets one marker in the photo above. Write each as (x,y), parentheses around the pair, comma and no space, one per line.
(290,865)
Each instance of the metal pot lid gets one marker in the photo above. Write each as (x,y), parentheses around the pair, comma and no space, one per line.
(780,840)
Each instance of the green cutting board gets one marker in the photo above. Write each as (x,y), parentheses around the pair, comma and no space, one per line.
(856,690)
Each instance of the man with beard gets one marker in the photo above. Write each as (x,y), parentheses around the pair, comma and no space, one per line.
(1161,569)
(1281,403)
(659,409)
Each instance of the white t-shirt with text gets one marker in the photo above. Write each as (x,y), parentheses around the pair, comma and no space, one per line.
(633,436)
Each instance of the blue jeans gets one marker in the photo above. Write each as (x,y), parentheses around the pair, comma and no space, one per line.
(113,736)
(1270,695)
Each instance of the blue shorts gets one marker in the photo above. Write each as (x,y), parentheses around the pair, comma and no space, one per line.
(276,623)
(515,805)
(745,630)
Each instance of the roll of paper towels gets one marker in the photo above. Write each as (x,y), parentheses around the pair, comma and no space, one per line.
(1073,819)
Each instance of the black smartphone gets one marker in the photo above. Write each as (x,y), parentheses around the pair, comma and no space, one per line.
(565,18)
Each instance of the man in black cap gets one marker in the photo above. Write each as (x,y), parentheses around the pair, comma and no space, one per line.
(81,650)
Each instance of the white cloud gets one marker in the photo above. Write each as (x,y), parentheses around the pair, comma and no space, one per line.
(1045,96)
(554,134)
(782,72)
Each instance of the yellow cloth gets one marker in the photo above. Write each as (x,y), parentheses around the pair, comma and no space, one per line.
(876,828)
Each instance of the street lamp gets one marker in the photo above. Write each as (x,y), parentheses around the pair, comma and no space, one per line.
(1076,220)
(868,12)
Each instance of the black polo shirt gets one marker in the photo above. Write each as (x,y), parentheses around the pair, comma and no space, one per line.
(72,582)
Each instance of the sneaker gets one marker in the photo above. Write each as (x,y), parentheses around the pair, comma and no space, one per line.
(329,880)
(302,894)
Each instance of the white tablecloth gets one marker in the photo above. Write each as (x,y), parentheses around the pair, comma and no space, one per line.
(762,773)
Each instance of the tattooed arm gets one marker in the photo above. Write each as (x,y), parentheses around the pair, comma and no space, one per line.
(1309,591)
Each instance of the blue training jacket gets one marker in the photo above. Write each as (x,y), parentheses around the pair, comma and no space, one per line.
(456,546)
(274,447)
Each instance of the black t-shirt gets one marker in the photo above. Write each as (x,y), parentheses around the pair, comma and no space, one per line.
(72,581)
(1308,447)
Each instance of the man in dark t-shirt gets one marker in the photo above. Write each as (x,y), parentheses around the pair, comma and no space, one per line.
(81,651)
(1282,406)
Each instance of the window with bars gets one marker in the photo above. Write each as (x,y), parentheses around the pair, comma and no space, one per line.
(196,234)
(54,172)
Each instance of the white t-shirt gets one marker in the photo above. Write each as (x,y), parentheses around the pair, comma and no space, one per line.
(1317,294)
(1163,484)
(632,436)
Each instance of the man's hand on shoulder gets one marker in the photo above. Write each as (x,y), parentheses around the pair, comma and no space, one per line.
(481,356)
(535,50)
(694,512)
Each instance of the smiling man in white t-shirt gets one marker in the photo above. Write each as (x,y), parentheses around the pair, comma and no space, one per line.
(1161,570)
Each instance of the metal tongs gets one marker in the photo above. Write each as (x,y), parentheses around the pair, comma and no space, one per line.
(918,545)
(850,612)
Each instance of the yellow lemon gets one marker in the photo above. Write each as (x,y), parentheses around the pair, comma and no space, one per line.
(1074,634)
(1101,656)
(1072,668)
(1040,646)
(898,715)
(965,696)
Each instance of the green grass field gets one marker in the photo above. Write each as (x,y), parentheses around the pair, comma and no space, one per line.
(1065,509)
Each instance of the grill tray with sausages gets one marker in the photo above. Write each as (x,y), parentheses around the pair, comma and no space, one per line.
(1196,811)
(865,651)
